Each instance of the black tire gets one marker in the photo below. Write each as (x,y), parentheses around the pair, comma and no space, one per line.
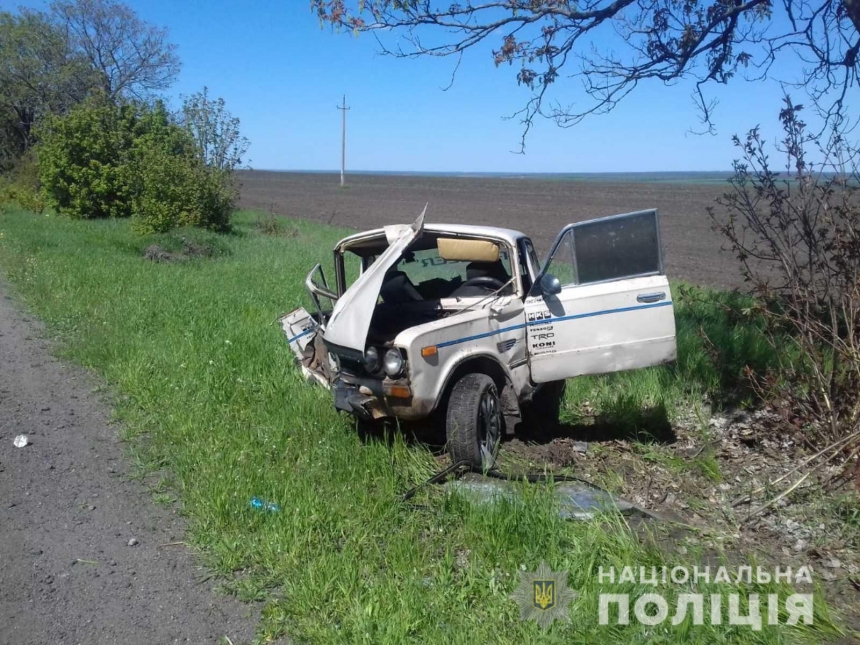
(474,422)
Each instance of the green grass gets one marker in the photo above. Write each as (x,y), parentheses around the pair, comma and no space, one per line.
(216,412)
(715,343)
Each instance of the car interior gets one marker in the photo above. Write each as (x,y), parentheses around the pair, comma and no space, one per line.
(436,267)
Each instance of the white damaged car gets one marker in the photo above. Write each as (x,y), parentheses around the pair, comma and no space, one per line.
(464,323)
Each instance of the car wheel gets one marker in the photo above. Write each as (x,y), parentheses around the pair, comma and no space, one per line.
(474,423)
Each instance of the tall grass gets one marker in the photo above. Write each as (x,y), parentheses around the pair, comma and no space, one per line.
(213,405)
(716,342)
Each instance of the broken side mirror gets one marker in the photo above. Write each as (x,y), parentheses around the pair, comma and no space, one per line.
(550,285)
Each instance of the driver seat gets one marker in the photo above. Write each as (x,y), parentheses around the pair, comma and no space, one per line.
(397,289)
(481,270)
(487,270)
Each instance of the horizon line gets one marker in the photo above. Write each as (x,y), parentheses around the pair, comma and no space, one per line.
(491,172)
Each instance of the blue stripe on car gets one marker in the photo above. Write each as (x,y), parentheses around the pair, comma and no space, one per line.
(478,336)
(546,321)
(304,333)
(590,314)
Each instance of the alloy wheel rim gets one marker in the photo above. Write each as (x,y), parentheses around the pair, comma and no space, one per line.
(491,427)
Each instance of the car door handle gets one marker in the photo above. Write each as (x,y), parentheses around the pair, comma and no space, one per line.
(651,297)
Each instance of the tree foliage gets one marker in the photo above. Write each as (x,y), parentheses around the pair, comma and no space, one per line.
(50,62)
(108,160)
(39,74)
(78,87)
(173,186)
(613,45)
(84,160)
(21,185)
(796,236)
(215,131)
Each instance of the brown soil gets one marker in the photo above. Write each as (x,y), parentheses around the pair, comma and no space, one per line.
(190,250)
(538,207)
(705,478)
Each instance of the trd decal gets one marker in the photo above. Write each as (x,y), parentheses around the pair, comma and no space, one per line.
(543,347)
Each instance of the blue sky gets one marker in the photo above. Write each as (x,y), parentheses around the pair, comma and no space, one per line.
(282,76)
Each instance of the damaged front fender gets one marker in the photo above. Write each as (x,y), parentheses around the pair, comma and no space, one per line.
(302,332)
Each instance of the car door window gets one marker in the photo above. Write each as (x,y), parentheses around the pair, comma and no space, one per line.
(611,248)
(617,247)
(561,263)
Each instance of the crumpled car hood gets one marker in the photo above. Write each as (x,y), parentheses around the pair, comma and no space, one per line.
(350,318)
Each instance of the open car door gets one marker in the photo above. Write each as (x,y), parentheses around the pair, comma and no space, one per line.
(609,307)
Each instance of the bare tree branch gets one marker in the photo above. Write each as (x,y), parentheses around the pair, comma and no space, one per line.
(133,57)
(708,41)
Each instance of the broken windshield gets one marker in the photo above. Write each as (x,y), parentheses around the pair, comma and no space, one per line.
(430,274)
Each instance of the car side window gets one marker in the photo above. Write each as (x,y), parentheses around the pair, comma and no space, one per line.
(561,264)
(617,247)
(611,248)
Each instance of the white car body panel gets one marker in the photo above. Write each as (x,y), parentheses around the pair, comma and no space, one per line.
(495,330)
(600,328)
(299,328)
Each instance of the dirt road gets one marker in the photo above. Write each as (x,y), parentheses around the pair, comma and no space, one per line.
(538,207)
(67,515)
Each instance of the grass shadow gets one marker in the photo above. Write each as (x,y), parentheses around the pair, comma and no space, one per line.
(622,420)
(426,433)
(195,242)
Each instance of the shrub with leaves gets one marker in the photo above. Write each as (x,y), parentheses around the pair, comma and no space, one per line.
(797,240)
(173,185)
(21,185)
(104,160)
(84,163)
(215,131)
(177,190)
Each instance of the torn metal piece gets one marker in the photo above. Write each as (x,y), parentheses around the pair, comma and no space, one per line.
(577,501)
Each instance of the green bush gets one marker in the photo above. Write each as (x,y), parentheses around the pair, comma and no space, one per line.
(178,190)
(104,160)
(84,161)
(21,185)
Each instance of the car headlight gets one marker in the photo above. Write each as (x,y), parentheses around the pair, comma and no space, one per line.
(371,359)
(392,363)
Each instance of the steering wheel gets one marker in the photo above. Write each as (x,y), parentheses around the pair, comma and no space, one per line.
(483,281)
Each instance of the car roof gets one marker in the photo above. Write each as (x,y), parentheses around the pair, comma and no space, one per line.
(508,235)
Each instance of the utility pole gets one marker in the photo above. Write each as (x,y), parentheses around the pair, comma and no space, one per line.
(343,110)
